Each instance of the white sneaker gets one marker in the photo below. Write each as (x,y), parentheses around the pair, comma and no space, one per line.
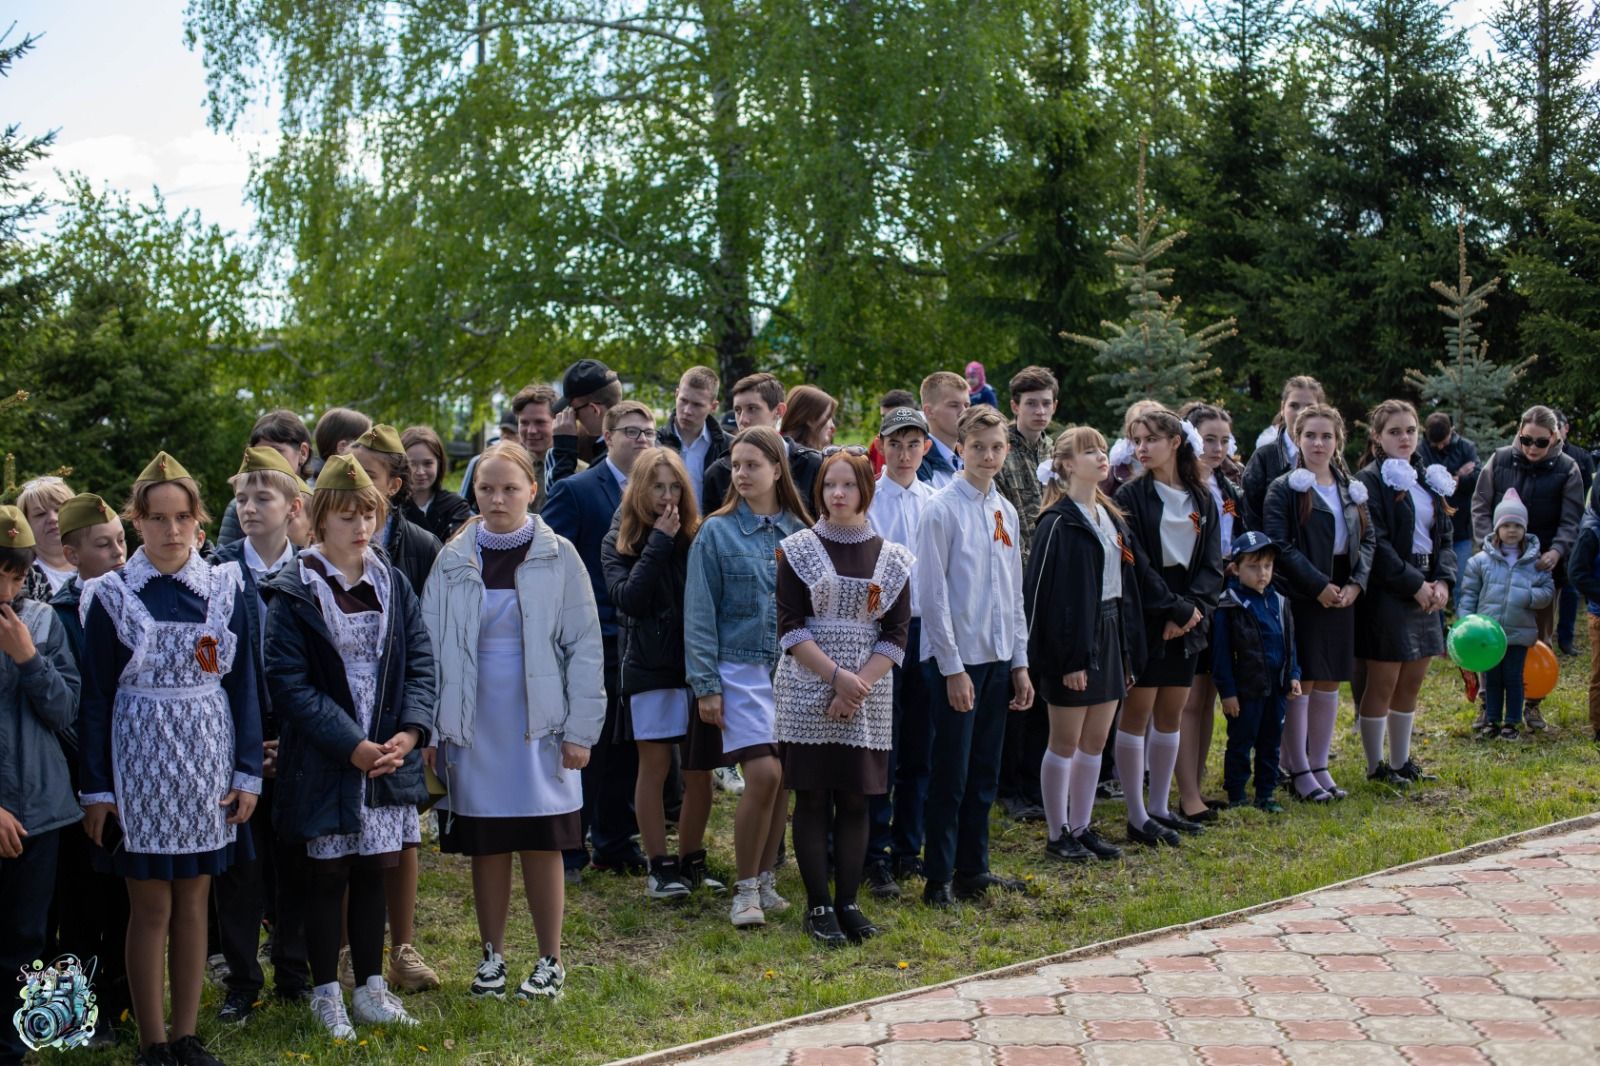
(374,1004)
(746,912)
(728,779)
(545,981)
(329,1010)
(770,900)
(490,980)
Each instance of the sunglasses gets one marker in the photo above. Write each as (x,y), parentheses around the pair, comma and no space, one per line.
(1534,442)
(848,449)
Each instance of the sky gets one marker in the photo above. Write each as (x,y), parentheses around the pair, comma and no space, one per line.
(128,102)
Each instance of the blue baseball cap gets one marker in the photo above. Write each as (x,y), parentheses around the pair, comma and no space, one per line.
(1251,543)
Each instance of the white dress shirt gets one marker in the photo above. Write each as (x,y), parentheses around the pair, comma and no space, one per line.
(896,514)
(260,569)
(969,580)
(694,456)
(1422,530)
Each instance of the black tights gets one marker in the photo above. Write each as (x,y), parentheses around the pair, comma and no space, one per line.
(816,811)
(325,911)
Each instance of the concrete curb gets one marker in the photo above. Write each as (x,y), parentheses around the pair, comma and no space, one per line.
(728,1041)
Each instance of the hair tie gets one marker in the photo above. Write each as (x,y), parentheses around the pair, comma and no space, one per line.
(1195,442)
(1046,472)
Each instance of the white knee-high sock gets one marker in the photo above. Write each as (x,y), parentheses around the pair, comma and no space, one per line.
(1130,760)
(1085,776)
(1400,737)
(1162,752)
(1321,716)
(1372,732)
(1292,752)
(1055,776)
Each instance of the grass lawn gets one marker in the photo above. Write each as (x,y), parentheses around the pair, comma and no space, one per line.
(643,975)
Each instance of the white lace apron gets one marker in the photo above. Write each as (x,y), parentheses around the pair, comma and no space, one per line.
(171,725)
(358,638)
(845,625)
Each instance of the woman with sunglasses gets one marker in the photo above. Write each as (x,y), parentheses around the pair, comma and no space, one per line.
(1551,485)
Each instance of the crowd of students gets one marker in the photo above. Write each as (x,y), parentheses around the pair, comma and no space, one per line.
(559,660)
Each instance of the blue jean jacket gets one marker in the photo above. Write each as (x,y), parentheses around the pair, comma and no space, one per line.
(730,608)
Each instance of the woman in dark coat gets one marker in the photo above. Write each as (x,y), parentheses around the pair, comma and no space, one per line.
(1275,452)
(1085,634)
(1413,568)
(430,505)
(1317,517)
(1175,539)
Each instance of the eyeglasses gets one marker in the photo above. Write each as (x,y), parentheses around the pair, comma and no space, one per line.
(1534,442)
(848,449)
(638,432)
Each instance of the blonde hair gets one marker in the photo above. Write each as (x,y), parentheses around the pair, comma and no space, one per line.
(622,409)
(766,440)
(138,505)
(513,453)
(325,502)
(1073,442)
(940,381)
(48,491)
(276,480)
(633,528)
(700,377)
(977,419)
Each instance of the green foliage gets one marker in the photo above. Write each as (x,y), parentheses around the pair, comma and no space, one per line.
(1150,354)
(1560,276)
(1467,384)
(130,352)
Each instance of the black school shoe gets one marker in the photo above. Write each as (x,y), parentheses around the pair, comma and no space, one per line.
(973,888)
(881,882)
(1182,825)
(856,926)
(631,862)
(938,894)
(1152,834)
(1385,774)
(822,925)
(155,1055)
(1205,817)
(1067,848)
(188,1051)
(1022,810)
(1414,773)
(1097,845)
(907,866)
(236,1008)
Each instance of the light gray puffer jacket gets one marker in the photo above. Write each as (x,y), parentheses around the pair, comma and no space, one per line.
(563,658)
(1508,593)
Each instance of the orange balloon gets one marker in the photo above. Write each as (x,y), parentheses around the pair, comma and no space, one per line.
(1539,672)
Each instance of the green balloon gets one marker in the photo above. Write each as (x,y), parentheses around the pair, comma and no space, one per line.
(1477,643)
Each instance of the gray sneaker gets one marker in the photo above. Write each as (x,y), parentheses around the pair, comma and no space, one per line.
(545,982)
(1533,718)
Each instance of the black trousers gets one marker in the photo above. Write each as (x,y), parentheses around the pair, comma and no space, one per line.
(1257,731)
(89,919)
(244,893)
(608,818)
(27,884)
(1027,738)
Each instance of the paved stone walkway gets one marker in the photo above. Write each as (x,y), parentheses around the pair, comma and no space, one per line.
(1493,959)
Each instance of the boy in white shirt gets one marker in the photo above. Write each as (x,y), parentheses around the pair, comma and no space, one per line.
(968,583)
(894,847)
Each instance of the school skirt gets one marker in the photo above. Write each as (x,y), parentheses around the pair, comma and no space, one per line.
(463,834)
(839,767)
(1325,637)
(1107,681)
(1169,666)
(1391,628)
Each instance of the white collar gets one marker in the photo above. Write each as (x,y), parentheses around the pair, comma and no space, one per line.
(970,491)
(616,472)
(195,575)
(888,486)
(253,559)
(369,569)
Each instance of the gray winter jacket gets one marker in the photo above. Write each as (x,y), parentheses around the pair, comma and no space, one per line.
(38,704)
(1508,593)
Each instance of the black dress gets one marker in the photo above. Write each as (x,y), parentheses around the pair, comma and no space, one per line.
(1303,529)
(1390,625)
(1172,593)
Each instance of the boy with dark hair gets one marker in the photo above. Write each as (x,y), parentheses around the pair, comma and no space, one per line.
(758,401)
(38,703)
(1255,669)
(589,389)
(892,400)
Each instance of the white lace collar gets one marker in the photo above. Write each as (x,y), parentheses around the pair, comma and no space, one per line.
(844,534)
(520,537)
(195,574)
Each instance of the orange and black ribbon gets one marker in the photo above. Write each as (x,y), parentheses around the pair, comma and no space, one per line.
(777,553)
(1000,533)
(1229,507)
(874,597)
(1127,552)
(205,653)
(1194,516)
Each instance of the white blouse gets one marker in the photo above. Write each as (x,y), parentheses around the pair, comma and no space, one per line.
(1341,532)
(1177,528)
(1111,568)
(1224,519)
(1422,532)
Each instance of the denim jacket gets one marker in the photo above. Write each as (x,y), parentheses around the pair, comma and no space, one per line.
(730,609)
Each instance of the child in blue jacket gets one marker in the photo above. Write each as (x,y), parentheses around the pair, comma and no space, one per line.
(1254,667)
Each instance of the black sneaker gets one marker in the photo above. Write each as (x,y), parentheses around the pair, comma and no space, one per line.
(938,894)
(155,1055)
(1097,845)
(1152,834)
(970,888)
(1385,774)
(236,1008)
(822,925)
(188,1051)
(627,863)
(692,868)
(1109,789)
(856,926)
(1067,848)
(1510,732)
(665,880)
(910,866)
(1414,773)
(1269,805)
(880,882)
(1485,729)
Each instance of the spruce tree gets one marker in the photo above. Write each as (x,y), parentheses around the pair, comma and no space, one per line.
(1467,384)
(1150,354)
